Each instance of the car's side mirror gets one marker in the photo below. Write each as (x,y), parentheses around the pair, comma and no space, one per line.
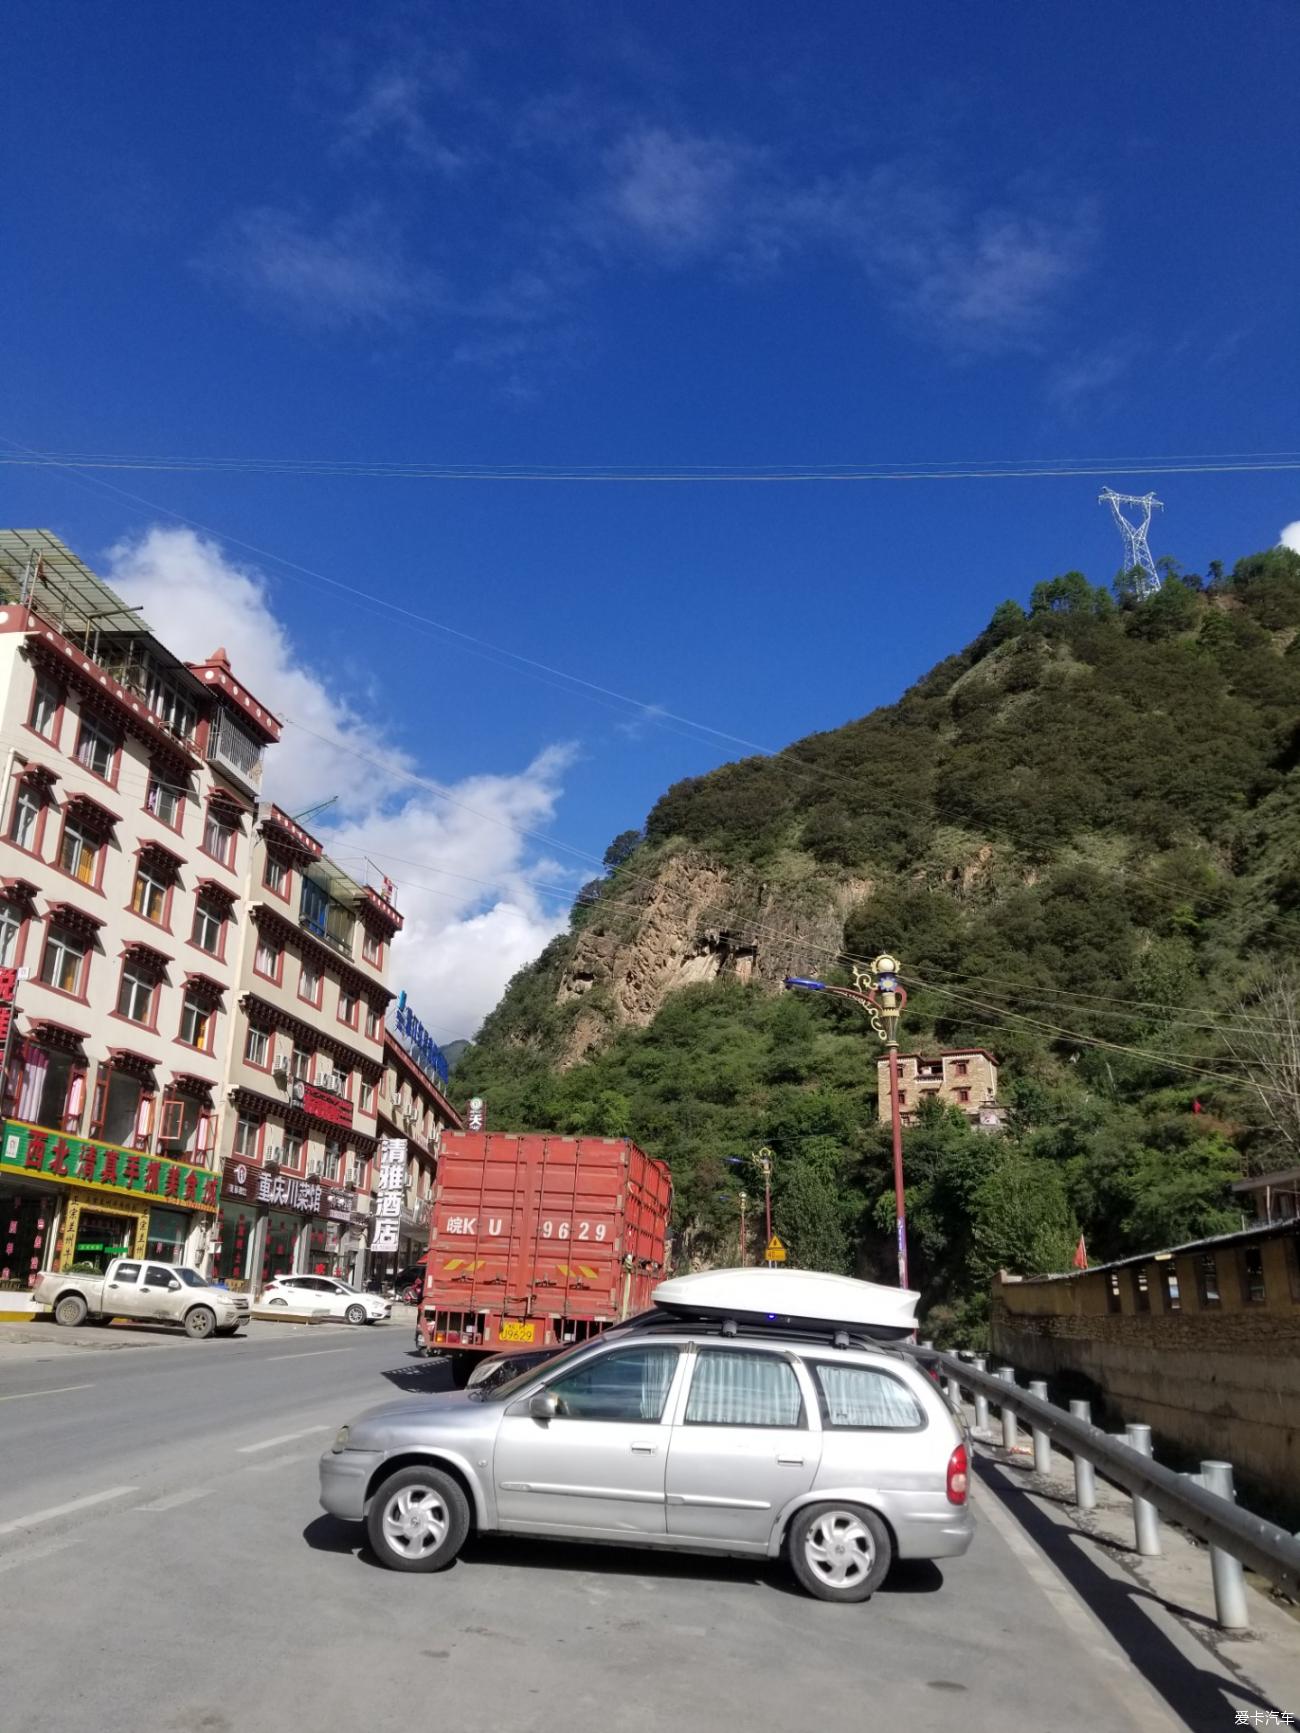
(544,1406)
(175,1286)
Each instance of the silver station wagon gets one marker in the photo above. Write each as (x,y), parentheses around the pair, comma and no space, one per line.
(707,1428)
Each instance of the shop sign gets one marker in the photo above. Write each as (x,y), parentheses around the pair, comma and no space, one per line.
(8,987)
(415,1040)
(41,1152)
(338,1203)
(322,1104)
(476,1114)
(277,1190)
(390,1190)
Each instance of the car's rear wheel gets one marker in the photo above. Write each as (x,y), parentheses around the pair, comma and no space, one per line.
(839,1552)
(355,1314)
(418,1520)
(70,1311)
(200,1323)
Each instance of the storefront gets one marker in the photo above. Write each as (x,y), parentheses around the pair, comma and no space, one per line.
(266,1223)
(67,1201)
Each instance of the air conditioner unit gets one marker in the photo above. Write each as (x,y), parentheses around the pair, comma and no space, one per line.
(273,1157)
(280,1071)
(317,1168)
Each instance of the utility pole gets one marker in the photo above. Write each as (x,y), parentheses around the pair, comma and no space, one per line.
(877,991)
(764,1160)
(744,1199)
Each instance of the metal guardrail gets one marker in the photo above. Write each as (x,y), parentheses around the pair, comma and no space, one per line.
(1202,1504)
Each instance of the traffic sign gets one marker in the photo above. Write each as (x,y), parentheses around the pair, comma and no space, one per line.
(775,1253)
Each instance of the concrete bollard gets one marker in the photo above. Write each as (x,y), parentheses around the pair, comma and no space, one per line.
(1085,1476)
(981,1400)
(1146,1521)
(1042,1440)
(1008,1376)
(1225,1571)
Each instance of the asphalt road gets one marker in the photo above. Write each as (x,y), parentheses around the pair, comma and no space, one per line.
(164,1564)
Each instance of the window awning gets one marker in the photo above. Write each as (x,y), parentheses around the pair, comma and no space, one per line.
(48,1034)
(204,987)
(223,797)
(77,920)
(210,888)
(92,813)
(164,856)
(278,828)
(18,890)
(138,1064)
(186,1083)
(38,773)
(139,952)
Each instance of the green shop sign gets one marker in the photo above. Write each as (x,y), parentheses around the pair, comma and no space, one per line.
(42,1153)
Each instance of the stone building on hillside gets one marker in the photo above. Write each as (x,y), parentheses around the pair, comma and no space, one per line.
(962,1077)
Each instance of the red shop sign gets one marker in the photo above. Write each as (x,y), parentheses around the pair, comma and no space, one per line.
(337,1109)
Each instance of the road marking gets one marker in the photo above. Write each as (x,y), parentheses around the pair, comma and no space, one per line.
(309,1354)
(284,1438)
(33,1554)
(277,1462)
(65,1509)
(59,1390)
(174,1499)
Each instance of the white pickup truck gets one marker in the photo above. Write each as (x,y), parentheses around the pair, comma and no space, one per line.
(153,1293)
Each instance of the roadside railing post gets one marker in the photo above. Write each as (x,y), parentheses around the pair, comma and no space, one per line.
(1042,1440)
(1225,1571)
(1146,1521)
(981,1400)
(1008,1376)
(1085,1478)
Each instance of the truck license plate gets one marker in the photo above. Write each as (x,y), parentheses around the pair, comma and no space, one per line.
(513,1331)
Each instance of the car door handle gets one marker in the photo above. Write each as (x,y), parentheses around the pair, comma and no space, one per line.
(644,1449)
(790,1461)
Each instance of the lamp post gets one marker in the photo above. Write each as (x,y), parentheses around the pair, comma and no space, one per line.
(877,991)
(764,1160)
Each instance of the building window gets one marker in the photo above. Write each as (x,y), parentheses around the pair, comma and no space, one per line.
(79,853)
(1252,1276)
(367,1098)
(1141,1292)
(63,964)
(96,748)
(300,1063)
(197,1021)
(275,876)
(343,1084)
(166,803)
(209,925)
(149,894)
(963,1095)
(1207,1280)
(11,932)
(266,959)
(26,814)
(247,1132)
(1169,1287)
(218,839)
(372,1023)
(348,1007)
(372,948)
(46,699)
(257,1048)
(962,1068)
(293,1155)
(309,984)
(135,996)
(333,1158)
(1114,1302)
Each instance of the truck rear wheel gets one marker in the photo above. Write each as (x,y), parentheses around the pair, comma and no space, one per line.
(200,1322)
(71,1311)
(418,1520)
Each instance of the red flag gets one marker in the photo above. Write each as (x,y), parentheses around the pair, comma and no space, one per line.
(1081,1255)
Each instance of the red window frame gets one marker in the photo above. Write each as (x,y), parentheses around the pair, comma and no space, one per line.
(353,1018)
(318,999)
(41,795)
(283,892)
(366,1098)
(374,1024)
(61,692)
(255,1154)
(213,816)
(24,915)
(82,994)
(254,1064)
(151,1024)
(100,845)
(88,720)
(169,892)
(294,1164)
(372,948)
(276,976)
(210,1027)
(221,907)
(153,781)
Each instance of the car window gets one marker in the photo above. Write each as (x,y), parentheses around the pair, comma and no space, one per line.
(127,1273)
(157,1276)
(631,1385)
(740,1389)
(865,1398)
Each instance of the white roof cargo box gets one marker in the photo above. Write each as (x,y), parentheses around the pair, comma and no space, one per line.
(791,1297)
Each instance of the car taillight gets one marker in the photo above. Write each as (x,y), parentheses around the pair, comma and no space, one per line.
(958,1477)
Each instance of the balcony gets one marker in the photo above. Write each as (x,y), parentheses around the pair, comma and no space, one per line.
(234,750)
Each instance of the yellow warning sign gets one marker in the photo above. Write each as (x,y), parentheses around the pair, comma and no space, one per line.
(775,1253)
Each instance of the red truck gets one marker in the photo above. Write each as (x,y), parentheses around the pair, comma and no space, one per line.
(537,1241)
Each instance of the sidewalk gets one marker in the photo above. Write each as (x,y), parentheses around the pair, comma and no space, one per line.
(42,1333)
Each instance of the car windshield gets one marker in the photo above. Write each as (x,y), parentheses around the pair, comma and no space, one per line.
(512,1386)
(191,1278)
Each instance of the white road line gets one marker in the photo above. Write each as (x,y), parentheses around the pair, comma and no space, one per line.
(277,1462)
(284,1438)
(33,1554)
(308,1354)
(66,1509)
(173,1500)
(58,1390)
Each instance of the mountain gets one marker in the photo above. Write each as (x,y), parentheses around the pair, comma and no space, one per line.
(1081,835)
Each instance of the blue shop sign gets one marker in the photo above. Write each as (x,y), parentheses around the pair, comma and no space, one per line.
(412,1036)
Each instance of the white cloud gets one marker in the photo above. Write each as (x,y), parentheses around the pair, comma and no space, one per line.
(676,192)
(393,103)
(1290,537)
(462,868)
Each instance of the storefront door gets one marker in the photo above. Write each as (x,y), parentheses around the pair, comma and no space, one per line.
(101,1237)
(25,1222)
(281,1244)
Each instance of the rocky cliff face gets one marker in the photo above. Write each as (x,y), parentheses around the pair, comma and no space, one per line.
(693,919)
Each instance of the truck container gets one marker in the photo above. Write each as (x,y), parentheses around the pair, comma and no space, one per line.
(538,1241)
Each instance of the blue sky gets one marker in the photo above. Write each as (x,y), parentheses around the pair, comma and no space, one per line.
(660,235)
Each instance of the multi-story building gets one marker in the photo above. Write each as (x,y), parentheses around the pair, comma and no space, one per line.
(306,1059)
(413,1110)
(127,808)
(962,1077)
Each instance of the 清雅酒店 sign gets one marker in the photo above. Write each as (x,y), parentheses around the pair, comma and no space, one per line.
(41,1153)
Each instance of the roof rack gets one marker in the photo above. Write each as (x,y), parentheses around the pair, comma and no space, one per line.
(833,1335)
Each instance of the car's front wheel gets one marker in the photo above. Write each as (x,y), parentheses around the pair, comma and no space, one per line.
(418,1520)
(355,1315)
(839,1552)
